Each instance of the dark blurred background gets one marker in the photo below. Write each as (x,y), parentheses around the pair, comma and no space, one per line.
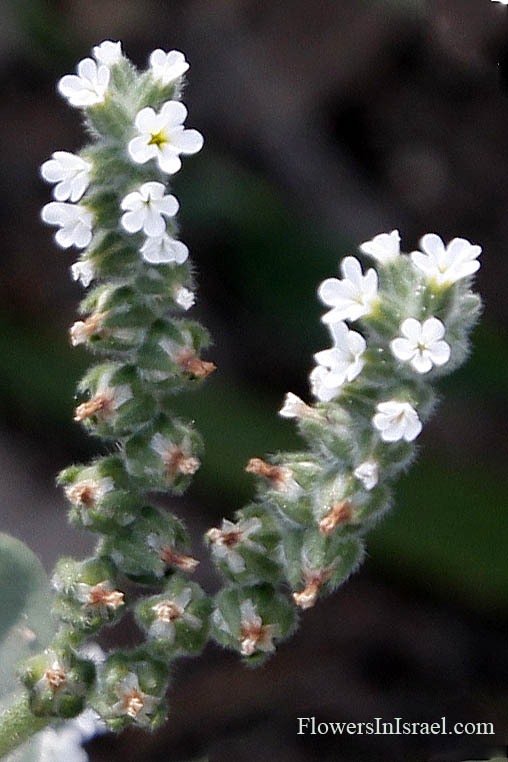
(326,122)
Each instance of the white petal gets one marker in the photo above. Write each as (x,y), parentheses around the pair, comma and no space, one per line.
(403,349)
(133,221)
(440,352)
(168,160)
(432,330)
(140,151)
(352,270)
(188,141)
(153,223)
(411,329)
(413,428)
(328,291)
(421,362)
(168,205)
(173,113)
(432,244)
(145,120)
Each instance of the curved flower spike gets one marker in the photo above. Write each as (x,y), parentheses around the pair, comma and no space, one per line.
(162,136)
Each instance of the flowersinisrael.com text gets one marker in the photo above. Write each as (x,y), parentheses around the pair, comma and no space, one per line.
(394,727)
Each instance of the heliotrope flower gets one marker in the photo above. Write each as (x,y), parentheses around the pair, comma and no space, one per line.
(163,249)
(446,264)
(226,540)
(166,67)
(353,296)
(88,87)
(422,345)
(255,636)
(184,297)
(397,420)
(169,611)
(384,247)
(100,599)
(146,208)
(162,136)
(84,271)
(108,52)
(343,362)
(132,701)
(71,174)
(75,221)
(367,473)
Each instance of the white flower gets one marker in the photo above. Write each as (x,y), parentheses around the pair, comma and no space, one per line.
(163,249)
(397,420)
(85,493)
(88,87)
(132,701)
(503,2)
(353,296)
(422,345)
(166,67)
(167,612)
(162,136)
(84,271)
(447,264)
(367,473)
(384,247)
(226,539)
(75,223)
(147,207)
(340,364)
(106,400)
(70,172)
(177,459)
(255,636)
(344,360)
(108,52)
(184,297)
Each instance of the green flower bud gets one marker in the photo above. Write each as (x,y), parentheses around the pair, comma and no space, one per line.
(58,682)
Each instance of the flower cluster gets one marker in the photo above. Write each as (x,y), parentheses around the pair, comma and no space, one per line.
(395,329)
(112,201)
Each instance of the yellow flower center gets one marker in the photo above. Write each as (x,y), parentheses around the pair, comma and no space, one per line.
(158,139)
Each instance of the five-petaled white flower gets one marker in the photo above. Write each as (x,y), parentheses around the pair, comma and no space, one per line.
(184,297)
(169,611)
(337,365)
(166,67)
(254,635)
(162,136)
(132,701)
(226,539)
(422,345)
(353,296)
(108,52)
(71,174)
(88,87)
(446,264)
(367,473)
(75,221)
(397,420)
(162,249)
(384,247)
(146,209)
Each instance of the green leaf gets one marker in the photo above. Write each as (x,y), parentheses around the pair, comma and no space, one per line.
(25,601)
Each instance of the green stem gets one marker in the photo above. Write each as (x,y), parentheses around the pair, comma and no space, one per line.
(17,724)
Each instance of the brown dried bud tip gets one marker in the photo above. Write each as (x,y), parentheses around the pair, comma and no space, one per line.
(98,596)
(55,677)
(192,364)
(167,611)
(80,331)
(229,539)
(177,462)
(278,475)
(184,563)
(251,634)
(101,403)
(315,580)
(340,512)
